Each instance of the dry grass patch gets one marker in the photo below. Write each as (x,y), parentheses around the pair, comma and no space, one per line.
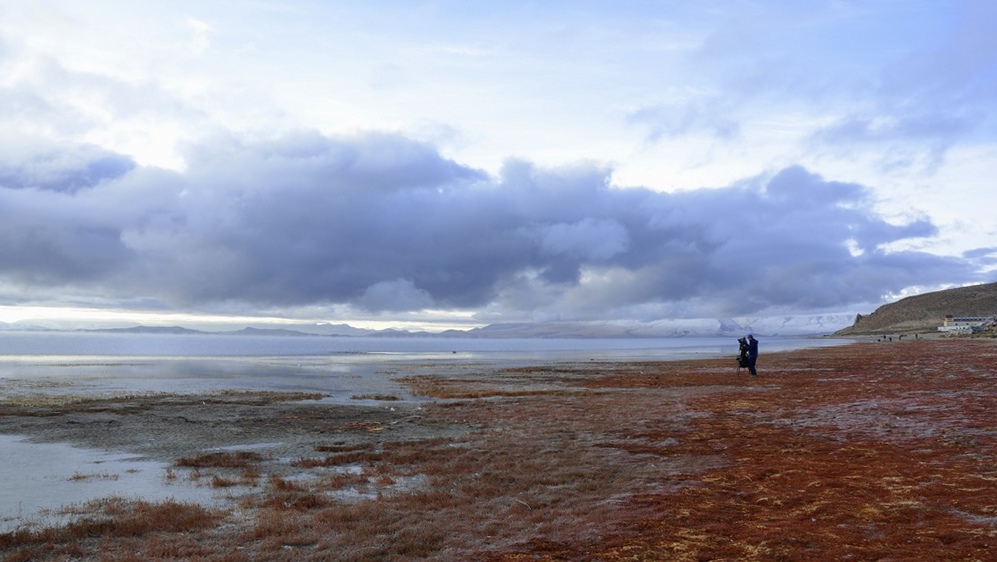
(237,459)
(80,477)
(381,397)
(222,482)
(109,519)
(343,447)
(469,388)
(48,405)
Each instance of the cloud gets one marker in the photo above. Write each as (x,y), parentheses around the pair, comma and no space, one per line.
(983,257)
(385,223)
(49,239)
(930,99)
(713,117)
(397,295)
(588,239)
(913,141)
(62,169)
(199,42)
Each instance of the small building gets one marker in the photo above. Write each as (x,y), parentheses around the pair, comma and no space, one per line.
(966,324)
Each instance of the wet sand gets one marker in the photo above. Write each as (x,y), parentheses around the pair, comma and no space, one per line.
(878,450)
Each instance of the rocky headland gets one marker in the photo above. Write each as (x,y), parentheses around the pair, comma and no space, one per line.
(925,313)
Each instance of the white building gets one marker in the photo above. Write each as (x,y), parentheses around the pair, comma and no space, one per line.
(965,323)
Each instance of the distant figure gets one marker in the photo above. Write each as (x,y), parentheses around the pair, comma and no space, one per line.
(752,355)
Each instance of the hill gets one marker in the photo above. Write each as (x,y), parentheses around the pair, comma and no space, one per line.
(924,313)
(158,330)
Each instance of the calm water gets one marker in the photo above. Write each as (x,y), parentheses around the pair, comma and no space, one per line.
(41,478)
(336,366)
(82,344)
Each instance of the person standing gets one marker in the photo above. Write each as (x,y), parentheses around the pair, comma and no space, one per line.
(752,355)
(742,354)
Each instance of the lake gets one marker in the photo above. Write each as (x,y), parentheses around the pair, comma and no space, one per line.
(337,366)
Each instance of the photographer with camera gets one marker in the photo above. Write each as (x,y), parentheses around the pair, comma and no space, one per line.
(742,354)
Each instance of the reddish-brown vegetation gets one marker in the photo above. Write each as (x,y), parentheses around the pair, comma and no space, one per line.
(238,459)
(878,451)
(867,452)
(111,521)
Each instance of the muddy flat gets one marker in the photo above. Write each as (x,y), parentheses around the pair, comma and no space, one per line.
(870,451)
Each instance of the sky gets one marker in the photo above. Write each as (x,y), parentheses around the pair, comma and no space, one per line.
(437,164)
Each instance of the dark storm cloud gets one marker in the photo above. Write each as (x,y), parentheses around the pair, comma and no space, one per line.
(387,223)
(49,239)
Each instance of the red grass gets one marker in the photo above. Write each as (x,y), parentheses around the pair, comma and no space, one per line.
(864,452)
(240,459)
(109,519)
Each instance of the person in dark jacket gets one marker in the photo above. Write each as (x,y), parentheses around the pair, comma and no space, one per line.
(742,354)
(752,355)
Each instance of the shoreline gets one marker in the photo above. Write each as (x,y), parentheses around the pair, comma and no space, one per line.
(830,453)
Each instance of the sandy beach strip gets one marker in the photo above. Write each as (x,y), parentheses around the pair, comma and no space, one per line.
(867,451)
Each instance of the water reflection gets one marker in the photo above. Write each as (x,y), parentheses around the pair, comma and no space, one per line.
(40,478)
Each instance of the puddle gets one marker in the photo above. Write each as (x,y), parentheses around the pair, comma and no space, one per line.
(40,478)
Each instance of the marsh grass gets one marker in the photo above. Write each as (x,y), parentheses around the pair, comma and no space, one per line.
(250,476)
(109,519)
(343,448)
(380,397)
(283,494)
(421,498)
(238,459)
(80,477)
(222,482)
(43,405)
(673,461)
(447,389)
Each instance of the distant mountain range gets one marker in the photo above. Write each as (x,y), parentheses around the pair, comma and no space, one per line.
(920,313)
(925,313)
(803,325)
(182,331)
(807,325)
